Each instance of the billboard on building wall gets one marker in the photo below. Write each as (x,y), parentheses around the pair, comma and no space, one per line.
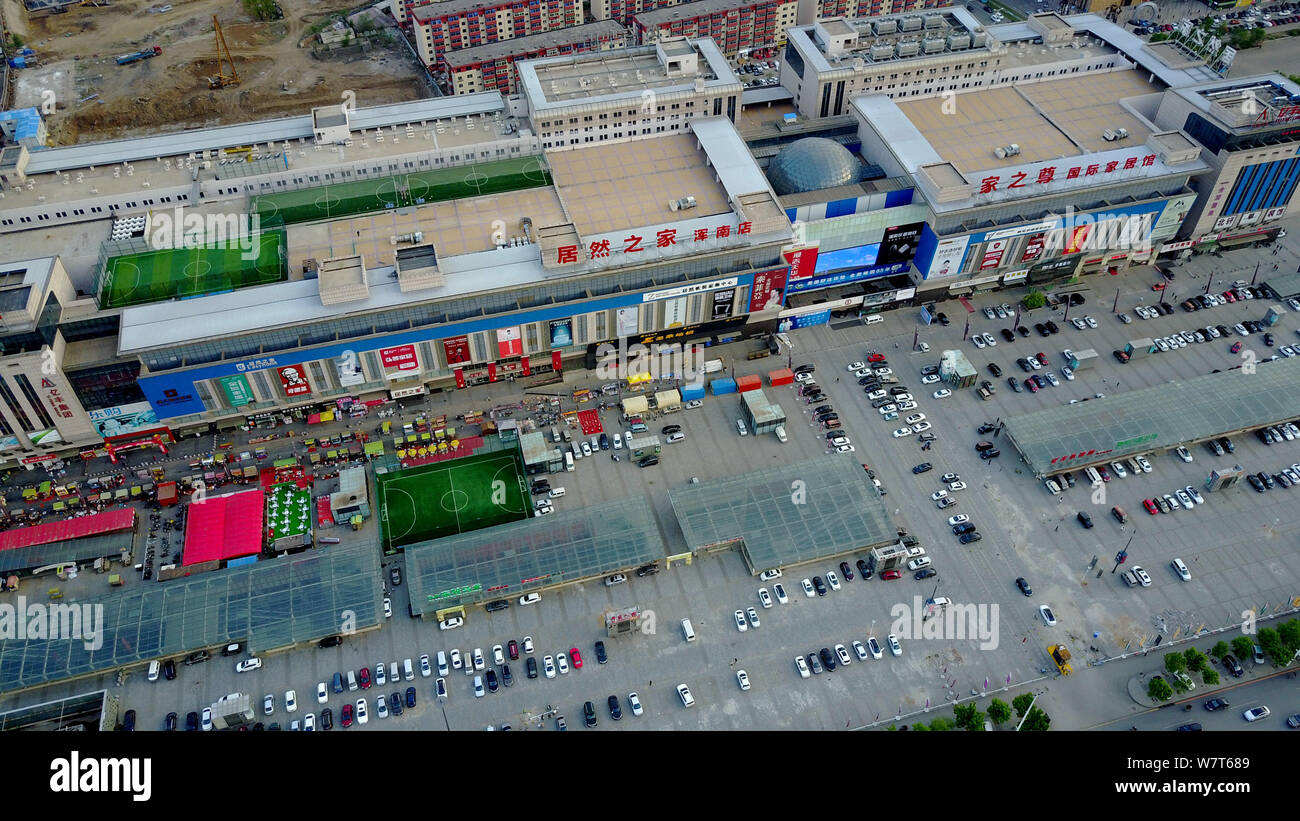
(1033,248)
(237,390)
(456,349)
(402,358)
(629,321)
(802,260)
(561,333)
(948,256)
(124,419)
(509,342)
(993,254)
(347,368)
(722,302)
(768,293)
(675,312)
(293,378)
(899,243)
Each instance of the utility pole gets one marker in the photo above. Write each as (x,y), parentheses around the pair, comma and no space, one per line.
(1123,554)
(966,331)
(1256,276)
(1115,308)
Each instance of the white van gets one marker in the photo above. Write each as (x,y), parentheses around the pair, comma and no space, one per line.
(1094,478)
(577,451)
(408,672)
(874,318)
(352,681)
(555,493)
(687,630)
(442,662)
(153,670)
(568,462)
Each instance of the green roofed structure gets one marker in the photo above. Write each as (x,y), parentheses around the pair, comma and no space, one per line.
(1157,418)
(561,547)
(132,273)
(786,514)
(271,604)
(403,191)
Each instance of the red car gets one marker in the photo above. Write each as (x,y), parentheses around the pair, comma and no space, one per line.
(1228,295)
(1042,358)
(512,647)
(1236,347)
(347,715)
(365,678)
(1150,506)
(1031,386)
(1159,286)
(890,575)
(575,657)
(876,357)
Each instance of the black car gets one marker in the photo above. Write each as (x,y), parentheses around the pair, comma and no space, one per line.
(1022,330)
(1223,330)
(809,368)
(1165,308)
(990,454)
(1268,340)
(670,429)
(925,573)
(923,467)
(128,721)
(530,667)
(828,659)
(589,714)
(943,319)
(826,417)
(395,703)
(994,369)
(863,570)
(1084,519)
(191,722)
(647,570)
(1041,329)
(1233,666)
(169,723)
(604,441)
(507,678)
(1254,482)
(491,678)
(1076,299)
(196,657)
(395,575)
(1024,364)
(987,427)
(169,669)
(615,711)
(496,605)
(1024,586)
(1008,335)
(330,641)
(897,389)
(410,696)
(1069,478)
(541,486)
(963,528)
(846,572)
(327,719)
(819,585)
(1216,704)
(1015,384)
(818,409)
(869,383)
(880,403)
(980,447)
(232,649)
(930,370)
(648,461)
(1120,356)
(968,538)
(1052,327)
(1039,381)
(1267,480)
(601,657)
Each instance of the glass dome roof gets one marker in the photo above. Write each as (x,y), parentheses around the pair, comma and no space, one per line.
(811,164)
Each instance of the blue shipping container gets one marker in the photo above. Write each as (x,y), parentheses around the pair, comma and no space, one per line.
(690,392)
(724,385)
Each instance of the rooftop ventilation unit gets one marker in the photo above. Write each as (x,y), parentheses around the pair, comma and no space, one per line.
(1004,151)
(682,204)
(911,23)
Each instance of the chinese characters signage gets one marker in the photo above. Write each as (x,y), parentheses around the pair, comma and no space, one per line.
(457,349)
(237,389)
(401,358)
(634,243)
(769,290)
(56,400)
(1013,180)
(293,378)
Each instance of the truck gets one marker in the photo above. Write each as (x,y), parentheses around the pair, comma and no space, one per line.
(1061,656)
(167,494)
(1140,347)
(1083,359)
(986,390)
(136,56)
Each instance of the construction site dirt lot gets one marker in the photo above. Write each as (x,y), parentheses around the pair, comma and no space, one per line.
(97,99)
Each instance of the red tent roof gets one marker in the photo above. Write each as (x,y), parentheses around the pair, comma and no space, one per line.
(224,527)
(75,528)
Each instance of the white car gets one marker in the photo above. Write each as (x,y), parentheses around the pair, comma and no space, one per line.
(455,658)
(684,693)
(381,706)
(477,656)
(381,675)
(1256,713)
(562,663)
(861,372)
(363,715)
(930,380)
(309,722)
(1180,567)
(902,398)
(1141,576)
(917,564)
(943,394)
(322,694)
(741,624)
(1185,499)
(843,655)
(206,721)
(695,403)
(634,702)
(1118,470)
(764,598)
(528,644)
(801,666)
(479,692)
(768,575)
(498,655)
(938,494)
(856,366)
(799,377)
(832,580)
(388,608)
(959,519)
(859,650)
(1196,496)
(248,664)
(742,678)
(586,449)
(914,418)
(894,646)
(1078,323)
(451,623)
(840,440)
(1051,378)
(978,339)
(874,395)
(1143,463)
(843,448)
(808,589)
(268,704)
(1241,329)
(990,341)
(1183,453)
(618,441)
(425,670)
(890,408)
(291,701)
(884,372)
(1092,323)
(529,598)
(956,486)
(548,666)
(873,647)
(902,433)
(905,405)
(1049,618)
(921,427)
(779,590)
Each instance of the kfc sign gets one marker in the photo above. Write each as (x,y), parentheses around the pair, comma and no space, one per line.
(635,243)
(293,378)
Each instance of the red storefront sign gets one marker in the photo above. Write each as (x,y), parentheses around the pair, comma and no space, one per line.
(527,369)
(803,261)
(1033,248)
(460,377)
(401,358)
(492,371)
(769,290)
(457,349)
(993,254)
(293,378)
(509,342)
(635,243)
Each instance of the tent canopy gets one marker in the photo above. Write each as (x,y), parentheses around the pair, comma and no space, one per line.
(634,405)
(224,527)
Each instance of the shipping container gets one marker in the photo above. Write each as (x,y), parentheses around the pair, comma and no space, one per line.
(695,391)
(782,377)
(749,382)
(722,385)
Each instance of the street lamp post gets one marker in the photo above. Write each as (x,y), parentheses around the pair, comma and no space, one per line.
(1123,554)
(1115,308)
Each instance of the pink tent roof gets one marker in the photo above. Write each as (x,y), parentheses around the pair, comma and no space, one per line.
(75,528)
(224,527)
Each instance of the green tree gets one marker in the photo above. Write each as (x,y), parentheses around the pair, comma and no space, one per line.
(1034,299)
(920,728)
(1038,721)
(1270,641)
(968,717)
(1210,676)
(1243,647)
(1175,663)
(1196,660)
(999,711)
(1220,649)
(1289,632)
(1021,703)
(941,725)
(1159,689)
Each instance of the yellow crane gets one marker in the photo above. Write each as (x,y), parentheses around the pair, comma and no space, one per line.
(223,80)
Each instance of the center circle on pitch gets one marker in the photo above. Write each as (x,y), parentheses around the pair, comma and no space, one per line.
(198,268)
(458,500)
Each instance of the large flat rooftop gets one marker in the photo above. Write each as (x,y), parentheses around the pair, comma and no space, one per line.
(619,185)
(531,43)
(621,73)
(1048,120)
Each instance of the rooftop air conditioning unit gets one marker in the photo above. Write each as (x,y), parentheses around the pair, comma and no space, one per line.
(682,204)
(1108,135)
(1121,133)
